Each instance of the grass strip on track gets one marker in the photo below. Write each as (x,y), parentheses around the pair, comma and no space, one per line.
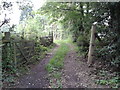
(56,64)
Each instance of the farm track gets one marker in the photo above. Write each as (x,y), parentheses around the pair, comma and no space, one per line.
(75,73)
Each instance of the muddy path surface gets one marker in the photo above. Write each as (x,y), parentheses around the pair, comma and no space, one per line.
(76,73)
(37,78)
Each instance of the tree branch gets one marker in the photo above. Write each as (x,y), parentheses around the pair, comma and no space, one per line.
(69,9)
(5,21)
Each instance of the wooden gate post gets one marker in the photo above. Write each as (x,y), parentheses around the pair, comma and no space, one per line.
(0,60)
(92,45)
(52,36)
(6,38)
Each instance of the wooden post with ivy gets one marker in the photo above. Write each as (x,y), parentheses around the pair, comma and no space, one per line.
(92,45)
(6,38)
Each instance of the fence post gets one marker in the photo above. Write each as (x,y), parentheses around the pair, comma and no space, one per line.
(52,36)
(6,38)
(92,45)
(1,61)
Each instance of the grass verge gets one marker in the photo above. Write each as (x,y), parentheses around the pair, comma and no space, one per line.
(55,66)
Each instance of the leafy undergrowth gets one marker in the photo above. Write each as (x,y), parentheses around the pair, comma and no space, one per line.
(108,78)
(55,66)
(103,71)
(105,75)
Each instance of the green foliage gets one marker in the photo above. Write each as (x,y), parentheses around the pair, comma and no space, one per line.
(40,48)
(40,51)
(82,41)
(106,79)
(78,18)
(10,70)
(115,62)
(8,59)
(8,65)
(57,75)
(33,27)
(83,44)
(114,82)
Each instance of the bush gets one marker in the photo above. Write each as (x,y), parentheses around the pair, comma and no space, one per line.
(83,42)
(40,48)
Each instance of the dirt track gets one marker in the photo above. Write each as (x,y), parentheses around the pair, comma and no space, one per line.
(76,73)
(37,78)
